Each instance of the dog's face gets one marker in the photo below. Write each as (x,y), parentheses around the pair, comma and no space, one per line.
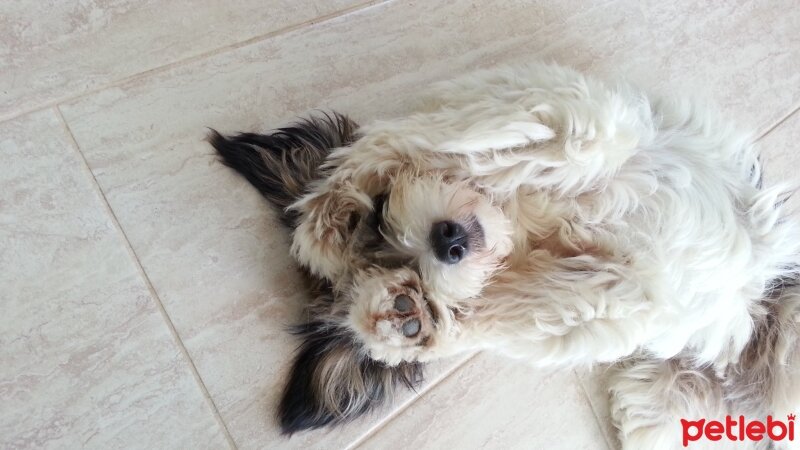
(411,255)
(390,259)
(451,236)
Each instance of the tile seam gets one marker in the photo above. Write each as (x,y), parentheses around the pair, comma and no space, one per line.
(146,279)
(778,123)
(395,413)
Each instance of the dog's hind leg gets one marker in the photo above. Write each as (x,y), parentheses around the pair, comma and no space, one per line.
(650,397)
(766,379)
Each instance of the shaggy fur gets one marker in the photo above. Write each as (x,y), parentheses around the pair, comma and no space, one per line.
(332,378)
(547,216)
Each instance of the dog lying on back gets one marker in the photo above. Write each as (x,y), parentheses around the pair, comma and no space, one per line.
(547,216)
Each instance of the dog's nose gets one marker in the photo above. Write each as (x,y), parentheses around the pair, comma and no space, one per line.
(449,241)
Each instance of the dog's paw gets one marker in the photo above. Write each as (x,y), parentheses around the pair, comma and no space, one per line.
(391,316)
(405,320)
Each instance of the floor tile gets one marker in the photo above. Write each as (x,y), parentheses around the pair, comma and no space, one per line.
(52,50)
(781,156)
(210,244)
(595,384)
(742,54)
(87,359)
(496,403)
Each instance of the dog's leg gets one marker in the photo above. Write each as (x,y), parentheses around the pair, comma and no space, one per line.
(563,311)
(397,322)
(557,312)
(649,398)
(551,128)
(766,378)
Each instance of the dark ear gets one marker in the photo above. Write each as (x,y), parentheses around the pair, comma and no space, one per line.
(332,380)
(282,164)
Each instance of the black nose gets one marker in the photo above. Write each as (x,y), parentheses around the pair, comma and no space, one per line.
(449,241)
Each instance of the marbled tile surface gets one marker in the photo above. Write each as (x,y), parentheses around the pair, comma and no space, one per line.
(52,50)
(781,150)
(493,403)
(88,359)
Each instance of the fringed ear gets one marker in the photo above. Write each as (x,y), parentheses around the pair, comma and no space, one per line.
(283,164)
(326,220)
(333,381)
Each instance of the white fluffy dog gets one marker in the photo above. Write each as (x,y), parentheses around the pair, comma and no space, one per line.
(548,216)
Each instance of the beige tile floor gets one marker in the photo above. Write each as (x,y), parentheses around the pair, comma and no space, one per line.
(145,288)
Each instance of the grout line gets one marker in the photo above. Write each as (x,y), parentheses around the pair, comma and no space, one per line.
(588,398)
(393,414)
(778,123)
(168,321)
(55,103)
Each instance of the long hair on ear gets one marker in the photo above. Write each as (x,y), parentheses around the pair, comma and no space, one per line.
(283,163)
(332,379)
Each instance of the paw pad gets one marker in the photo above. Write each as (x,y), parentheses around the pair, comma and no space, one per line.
(411,328)
(403,303)
(405,320)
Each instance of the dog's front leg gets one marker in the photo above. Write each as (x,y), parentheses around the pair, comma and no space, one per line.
(563,311)
(396,321)
(556,312)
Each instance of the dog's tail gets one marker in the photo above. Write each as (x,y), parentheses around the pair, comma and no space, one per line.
(282,164)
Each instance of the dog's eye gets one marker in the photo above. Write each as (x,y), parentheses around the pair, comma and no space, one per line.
(352,221)
(376,218)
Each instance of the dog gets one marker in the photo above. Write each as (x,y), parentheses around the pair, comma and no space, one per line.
(545,215)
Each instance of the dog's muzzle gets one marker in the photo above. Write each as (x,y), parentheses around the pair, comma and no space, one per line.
(450,241)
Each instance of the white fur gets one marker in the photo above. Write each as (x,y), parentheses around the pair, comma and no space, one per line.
(616,224)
